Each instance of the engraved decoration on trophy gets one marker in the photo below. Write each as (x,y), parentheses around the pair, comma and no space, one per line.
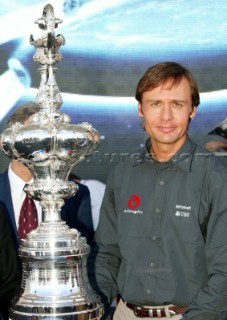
(54,281)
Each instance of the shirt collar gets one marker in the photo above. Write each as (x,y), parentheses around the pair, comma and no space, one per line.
(183,158)
(16,183)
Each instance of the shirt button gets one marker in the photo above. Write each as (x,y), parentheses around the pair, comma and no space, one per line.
(154,238)
(148,291)
(157,210)
(152,264)
(162,183)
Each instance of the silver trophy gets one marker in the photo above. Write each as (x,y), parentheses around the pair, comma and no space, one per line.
(54,281)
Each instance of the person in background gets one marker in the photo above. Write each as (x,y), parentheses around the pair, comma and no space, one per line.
(161,240)
(216,145)
(10,269)
(97,189)
(76,210)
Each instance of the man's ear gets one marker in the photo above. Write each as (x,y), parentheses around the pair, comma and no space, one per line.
(140,112)
(193,113)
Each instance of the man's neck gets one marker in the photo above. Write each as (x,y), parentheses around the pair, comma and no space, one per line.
(21,170)
(163,155)
(163,152)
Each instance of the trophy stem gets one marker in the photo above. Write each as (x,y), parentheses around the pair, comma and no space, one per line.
(52,211)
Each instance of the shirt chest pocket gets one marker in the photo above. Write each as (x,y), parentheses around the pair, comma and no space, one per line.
(182,221)
(135,218)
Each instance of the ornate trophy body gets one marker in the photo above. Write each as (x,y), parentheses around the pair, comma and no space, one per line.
(54,284)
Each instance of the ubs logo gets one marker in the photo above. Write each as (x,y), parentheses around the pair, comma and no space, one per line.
(134,202)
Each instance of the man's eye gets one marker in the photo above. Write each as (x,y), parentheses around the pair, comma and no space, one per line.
(155,104)
(177,105)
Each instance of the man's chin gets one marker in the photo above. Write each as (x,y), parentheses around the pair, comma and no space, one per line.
(168,139)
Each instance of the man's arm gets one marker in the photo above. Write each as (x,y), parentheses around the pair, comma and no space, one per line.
(210,302)
(104,259)
(216,145)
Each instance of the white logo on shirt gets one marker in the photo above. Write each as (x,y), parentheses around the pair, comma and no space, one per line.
(133,211)
(182,211)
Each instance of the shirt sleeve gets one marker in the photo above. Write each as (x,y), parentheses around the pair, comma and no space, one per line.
(210,302)
(104,259)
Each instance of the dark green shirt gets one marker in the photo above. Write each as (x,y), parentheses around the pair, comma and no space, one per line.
(162,235)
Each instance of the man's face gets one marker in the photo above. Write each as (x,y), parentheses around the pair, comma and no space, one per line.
(166,110)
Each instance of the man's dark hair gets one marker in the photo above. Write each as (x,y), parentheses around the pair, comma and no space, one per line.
(161,73)
(22,113)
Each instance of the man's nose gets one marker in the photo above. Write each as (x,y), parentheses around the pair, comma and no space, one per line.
(166,112)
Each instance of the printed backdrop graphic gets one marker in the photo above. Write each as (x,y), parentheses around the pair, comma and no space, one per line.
(109,45)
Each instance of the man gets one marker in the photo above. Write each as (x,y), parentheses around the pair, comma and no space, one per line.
(76,210)
(10,271)
(161,239)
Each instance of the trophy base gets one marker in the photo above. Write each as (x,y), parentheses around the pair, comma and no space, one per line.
(91,311)
(54,278)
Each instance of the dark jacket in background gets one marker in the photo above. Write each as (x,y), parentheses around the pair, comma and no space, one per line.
(76,210)
(10,268)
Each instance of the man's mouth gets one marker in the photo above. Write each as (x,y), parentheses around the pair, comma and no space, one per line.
(166,129)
